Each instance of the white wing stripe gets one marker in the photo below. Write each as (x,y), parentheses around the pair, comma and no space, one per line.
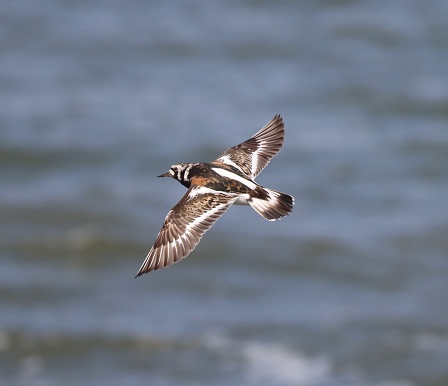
(254,167)
(226,160)
(203,216)
(201,190)
(233,176)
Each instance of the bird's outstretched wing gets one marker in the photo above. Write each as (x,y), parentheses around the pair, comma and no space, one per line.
(252,156)
(184,226)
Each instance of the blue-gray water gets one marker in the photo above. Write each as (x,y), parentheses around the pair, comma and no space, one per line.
(99,97)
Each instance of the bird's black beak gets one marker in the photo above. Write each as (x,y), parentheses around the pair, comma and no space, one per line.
(167,174)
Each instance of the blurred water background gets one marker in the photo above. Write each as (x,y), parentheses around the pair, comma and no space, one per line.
(98,97)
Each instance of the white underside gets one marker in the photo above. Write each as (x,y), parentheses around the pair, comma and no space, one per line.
(242,200)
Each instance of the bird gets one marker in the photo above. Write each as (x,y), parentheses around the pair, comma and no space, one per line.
(212,188)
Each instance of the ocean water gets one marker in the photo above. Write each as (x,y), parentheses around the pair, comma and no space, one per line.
(98,98)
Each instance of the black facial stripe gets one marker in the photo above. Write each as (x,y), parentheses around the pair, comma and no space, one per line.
(182,174)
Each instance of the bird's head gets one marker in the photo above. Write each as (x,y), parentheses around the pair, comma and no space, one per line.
(179,172)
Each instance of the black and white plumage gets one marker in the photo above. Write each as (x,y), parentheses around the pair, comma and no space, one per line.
(212,188)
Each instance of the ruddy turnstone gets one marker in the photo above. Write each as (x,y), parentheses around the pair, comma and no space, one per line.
(212,188)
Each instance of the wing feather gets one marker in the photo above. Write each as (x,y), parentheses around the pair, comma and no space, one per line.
(184,226)
(252,155)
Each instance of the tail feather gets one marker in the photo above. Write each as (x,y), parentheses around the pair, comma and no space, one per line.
(272,205)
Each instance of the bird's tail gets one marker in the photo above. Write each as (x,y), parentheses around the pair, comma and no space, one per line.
(271,204)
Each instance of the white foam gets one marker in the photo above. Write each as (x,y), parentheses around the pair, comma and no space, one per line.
(278,364)
(267,363)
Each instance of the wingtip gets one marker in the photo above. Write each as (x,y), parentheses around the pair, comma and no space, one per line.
(278,117)
(276,121)
(143,269)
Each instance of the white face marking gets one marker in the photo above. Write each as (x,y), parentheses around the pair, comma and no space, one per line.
(187,171)
(233,176)
(176,171)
